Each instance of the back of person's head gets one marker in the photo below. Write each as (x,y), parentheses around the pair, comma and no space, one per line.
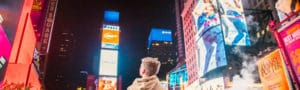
(151,65)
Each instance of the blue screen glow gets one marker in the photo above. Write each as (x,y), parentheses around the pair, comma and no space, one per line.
(157,34)
(111,16)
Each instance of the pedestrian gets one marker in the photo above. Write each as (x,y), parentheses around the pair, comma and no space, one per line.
(149,69)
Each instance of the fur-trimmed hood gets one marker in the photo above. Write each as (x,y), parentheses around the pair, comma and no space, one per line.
(146,83)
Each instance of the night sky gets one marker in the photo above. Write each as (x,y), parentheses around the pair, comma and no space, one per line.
(84,19)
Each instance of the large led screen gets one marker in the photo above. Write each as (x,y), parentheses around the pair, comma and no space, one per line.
(110,37)
(272,72)
(111,16)
(209,38)
(108,62)
(178,77)
(233,22)
(158,34)
(291,39)
(107,83)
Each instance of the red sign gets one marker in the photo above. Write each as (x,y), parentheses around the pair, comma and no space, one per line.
(291,38)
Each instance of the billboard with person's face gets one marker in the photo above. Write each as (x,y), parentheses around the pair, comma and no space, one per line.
(209,37)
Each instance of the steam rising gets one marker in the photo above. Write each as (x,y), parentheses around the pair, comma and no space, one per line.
(246,80)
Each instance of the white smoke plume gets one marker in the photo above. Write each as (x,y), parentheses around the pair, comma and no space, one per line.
(247,78)
(253,27)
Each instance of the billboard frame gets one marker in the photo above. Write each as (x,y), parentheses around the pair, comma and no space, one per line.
(276,29)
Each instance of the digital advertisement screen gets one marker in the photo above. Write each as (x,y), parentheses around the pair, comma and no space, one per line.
(107,83)
(108,62)
(158,34)
(110,37)
(111,16)
(233,22)
(178,77)
(272,73)
(209,38)
(291,38)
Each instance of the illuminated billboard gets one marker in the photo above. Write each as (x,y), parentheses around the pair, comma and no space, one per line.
(107,83)
(108,62)
(158,34)
(291,38)
(272,72)
(178,78)
(209,38)
(110,37)
(233,22)
(24,44)
(111,16)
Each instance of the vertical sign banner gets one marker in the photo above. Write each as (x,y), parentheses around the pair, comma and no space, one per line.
(291,38)
(272,72)
(110,37)
(108,62)
(209,38)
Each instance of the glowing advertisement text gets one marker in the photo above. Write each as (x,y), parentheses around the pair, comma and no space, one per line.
(209,38)
(110,37)
(272,72)
(291,39)
(158,34)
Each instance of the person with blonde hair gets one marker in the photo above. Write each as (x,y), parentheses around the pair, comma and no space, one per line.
(149,68)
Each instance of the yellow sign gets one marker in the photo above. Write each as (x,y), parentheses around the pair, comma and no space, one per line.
(110,36)
(272,72)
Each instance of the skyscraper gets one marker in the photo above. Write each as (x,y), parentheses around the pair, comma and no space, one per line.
(160,46)
(60,56)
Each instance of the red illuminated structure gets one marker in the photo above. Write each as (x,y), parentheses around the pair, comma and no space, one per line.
(20,72)
(284,32)
(189,44)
